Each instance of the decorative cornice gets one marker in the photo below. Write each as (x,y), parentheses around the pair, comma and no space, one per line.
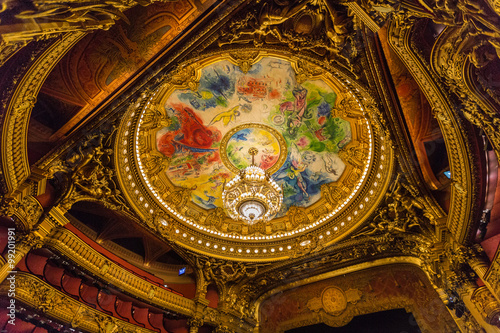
(399,136)
(459,62)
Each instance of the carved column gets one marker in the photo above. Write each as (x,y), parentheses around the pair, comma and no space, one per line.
(19,248)
(194,324)
(487,305)
(25,212)
(20,244)
(197,320)
(475,320)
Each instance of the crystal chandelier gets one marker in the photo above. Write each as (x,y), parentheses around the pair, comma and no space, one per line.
(252,195)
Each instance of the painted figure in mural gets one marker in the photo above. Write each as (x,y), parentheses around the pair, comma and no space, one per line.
(209,202)
(297,109)
(226,116)
(188,133)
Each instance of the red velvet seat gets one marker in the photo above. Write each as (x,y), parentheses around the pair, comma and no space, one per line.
(89,294)
(124,309)
(106,302)
(71,285)
(36,263)
(156,320)
(53,275)
(141,315)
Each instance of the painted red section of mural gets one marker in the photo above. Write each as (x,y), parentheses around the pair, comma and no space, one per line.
(376,289)
(192,134)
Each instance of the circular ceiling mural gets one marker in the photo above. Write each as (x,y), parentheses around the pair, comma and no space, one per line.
(193,134)
(294,123)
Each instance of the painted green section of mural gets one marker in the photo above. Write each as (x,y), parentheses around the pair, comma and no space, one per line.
(267,94)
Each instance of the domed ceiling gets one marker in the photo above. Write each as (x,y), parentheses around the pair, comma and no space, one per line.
(183,141)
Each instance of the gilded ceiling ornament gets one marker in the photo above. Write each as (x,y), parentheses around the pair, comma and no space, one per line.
(401,212)
(92,179)
(155,163)
(216,217)
(178,197)
(185,76)
(244,60)
(315,26)
(305,71)
(154,116)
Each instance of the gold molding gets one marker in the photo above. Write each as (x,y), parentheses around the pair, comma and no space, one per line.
(15,165)
(457,69)
(463,191)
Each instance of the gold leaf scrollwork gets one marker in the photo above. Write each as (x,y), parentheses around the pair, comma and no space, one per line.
(216,217)
(45,299)
(154,116)
(179,197)
(164,225)
(244,60)
(315,26)
(92,173)
(306,72)
(106,324)
(186,76)
(401,212)
(297,216)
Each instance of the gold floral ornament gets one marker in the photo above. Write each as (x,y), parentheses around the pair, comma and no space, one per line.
(252,196)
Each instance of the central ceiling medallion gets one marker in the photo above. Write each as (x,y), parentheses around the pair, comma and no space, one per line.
(252,195)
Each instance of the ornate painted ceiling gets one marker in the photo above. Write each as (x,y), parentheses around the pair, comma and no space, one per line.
(192,134)
(123,121)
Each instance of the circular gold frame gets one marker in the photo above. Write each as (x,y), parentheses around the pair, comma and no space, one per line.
(340,211)
(281,142)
